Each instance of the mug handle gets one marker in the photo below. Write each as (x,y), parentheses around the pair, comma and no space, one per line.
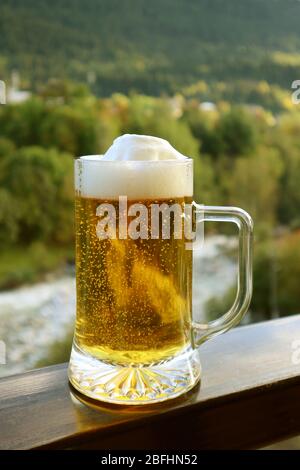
(203,332)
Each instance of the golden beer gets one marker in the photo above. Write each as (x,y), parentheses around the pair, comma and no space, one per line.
(133,296)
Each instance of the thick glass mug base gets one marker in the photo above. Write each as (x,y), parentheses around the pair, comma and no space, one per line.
(134,385)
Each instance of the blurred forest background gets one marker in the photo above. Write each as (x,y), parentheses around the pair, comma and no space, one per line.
(212,76)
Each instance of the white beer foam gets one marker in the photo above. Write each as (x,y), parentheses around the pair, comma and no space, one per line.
(136,166)
(133,147)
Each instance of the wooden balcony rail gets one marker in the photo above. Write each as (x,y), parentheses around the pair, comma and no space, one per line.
(249,397)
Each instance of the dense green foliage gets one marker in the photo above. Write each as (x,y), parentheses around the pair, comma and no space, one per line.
(237,50)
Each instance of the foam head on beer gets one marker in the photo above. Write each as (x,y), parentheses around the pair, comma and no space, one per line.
(133,147)
(136,166)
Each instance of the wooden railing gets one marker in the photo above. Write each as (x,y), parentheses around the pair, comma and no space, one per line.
(249,397)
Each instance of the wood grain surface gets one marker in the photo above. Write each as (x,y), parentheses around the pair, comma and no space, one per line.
(249,397)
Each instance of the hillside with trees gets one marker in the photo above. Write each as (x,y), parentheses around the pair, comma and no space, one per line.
(237,50)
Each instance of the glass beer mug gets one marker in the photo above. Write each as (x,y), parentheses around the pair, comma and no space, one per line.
(135,339)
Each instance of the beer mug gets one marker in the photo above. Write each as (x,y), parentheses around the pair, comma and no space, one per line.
(135,340)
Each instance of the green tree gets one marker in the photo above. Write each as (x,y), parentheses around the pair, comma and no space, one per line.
(276,274)
(206,189)
(79,128)
(21,123)
(64,92)
(254,185)
(38,193)
(6,147)
(203,127)
(71,129)
(151,116)
(284,137)
(236,133)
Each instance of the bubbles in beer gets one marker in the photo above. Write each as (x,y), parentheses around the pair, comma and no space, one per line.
(133,296)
